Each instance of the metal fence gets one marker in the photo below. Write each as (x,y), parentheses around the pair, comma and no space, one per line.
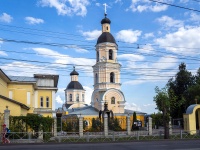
(70,137)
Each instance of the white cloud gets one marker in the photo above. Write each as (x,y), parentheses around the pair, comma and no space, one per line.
(148,35)
(3,53)
(26,69)
(151,72)
(195,17)
(184,1)
(146,48)
(32,21)
(59,100)
(169,22)
(66,59)
(98,4)
(132,106)
(78,49)
(6,18)
(92,35)
(67,7)
(184,41)
(88,94)
(128,36)
(131,57)
(146,5)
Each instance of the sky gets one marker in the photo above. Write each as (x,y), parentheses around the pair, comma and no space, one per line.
(52,36)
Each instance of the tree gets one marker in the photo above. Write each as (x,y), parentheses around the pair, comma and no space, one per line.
(162,100)
(194,90)
(179,87)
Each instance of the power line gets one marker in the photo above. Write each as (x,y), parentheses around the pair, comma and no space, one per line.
(175,5)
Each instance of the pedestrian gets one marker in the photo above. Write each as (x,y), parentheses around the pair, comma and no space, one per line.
(5,135)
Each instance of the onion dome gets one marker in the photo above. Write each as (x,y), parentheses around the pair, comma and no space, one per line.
(106,37)
(74,72)
(105,20)
(75,85)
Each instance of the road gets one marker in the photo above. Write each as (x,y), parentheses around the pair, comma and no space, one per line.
(138,145)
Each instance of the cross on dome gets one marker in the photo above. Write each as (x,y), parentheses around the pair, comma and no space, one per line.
(105,8)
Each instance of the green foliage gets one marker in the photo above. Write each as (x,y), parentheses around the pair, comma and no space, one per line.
(179,86)
(114,125)
(97,125)
(162,100)
(70,125)
(33,122)
(134,117)
(157,119)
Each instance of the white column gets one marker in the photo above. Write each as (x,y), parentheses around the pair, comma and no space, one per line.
(150,125)
(105,125)
(6,116)
(128,125)
(81,126)
(36,99)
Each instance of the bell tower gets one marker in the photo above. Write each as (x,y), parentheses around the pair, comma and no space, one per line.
(107,72)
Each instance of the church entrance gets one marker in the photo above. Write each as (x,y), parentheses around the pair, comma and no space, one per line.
(197,118)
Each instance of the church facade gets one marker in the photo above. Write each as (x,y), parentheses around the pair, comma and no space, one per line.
(107,86)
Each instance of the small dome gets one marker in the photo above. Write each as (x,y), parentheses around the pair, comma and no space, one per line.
(75,85)
(74,73)
(105,20)
(106,37)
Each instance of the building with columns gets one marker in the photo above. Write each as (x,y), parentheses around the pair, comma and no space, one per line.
(107,72)
(74,93)
(107,86)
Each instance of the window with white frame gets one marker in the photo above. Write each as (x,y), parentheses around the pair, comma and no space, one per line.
(70,97)
(41,102)
(28,98)
(83,97)
(47,101)
(77,97)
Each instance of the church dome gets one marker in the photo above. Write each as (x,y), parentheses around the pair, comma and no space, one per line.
(75,85)
(106,37)
(105,20)
(74,73)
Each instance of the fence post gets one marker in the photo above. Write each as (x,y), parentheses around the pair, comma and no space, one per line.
(113,136)
(138,135)
(150,125)
(128,125)
(105,125)
(81,126)
(181,134)
(6,116)
(55,126)
(160,133)
(88,138)
(170,126)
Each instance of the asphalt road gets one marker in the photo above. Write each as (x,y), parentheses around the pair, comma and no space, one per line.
(141,145)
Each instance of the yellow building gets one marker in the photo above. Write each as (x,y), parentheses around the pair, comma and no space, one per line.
(25,95)
(107,86)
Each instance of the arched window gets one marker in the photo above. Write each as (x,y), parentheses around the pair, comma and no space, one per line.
(83,98)
(110,54)
(97,56)
(70,97)
(77,97)
(112,77)
(112,100)
(96,78)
